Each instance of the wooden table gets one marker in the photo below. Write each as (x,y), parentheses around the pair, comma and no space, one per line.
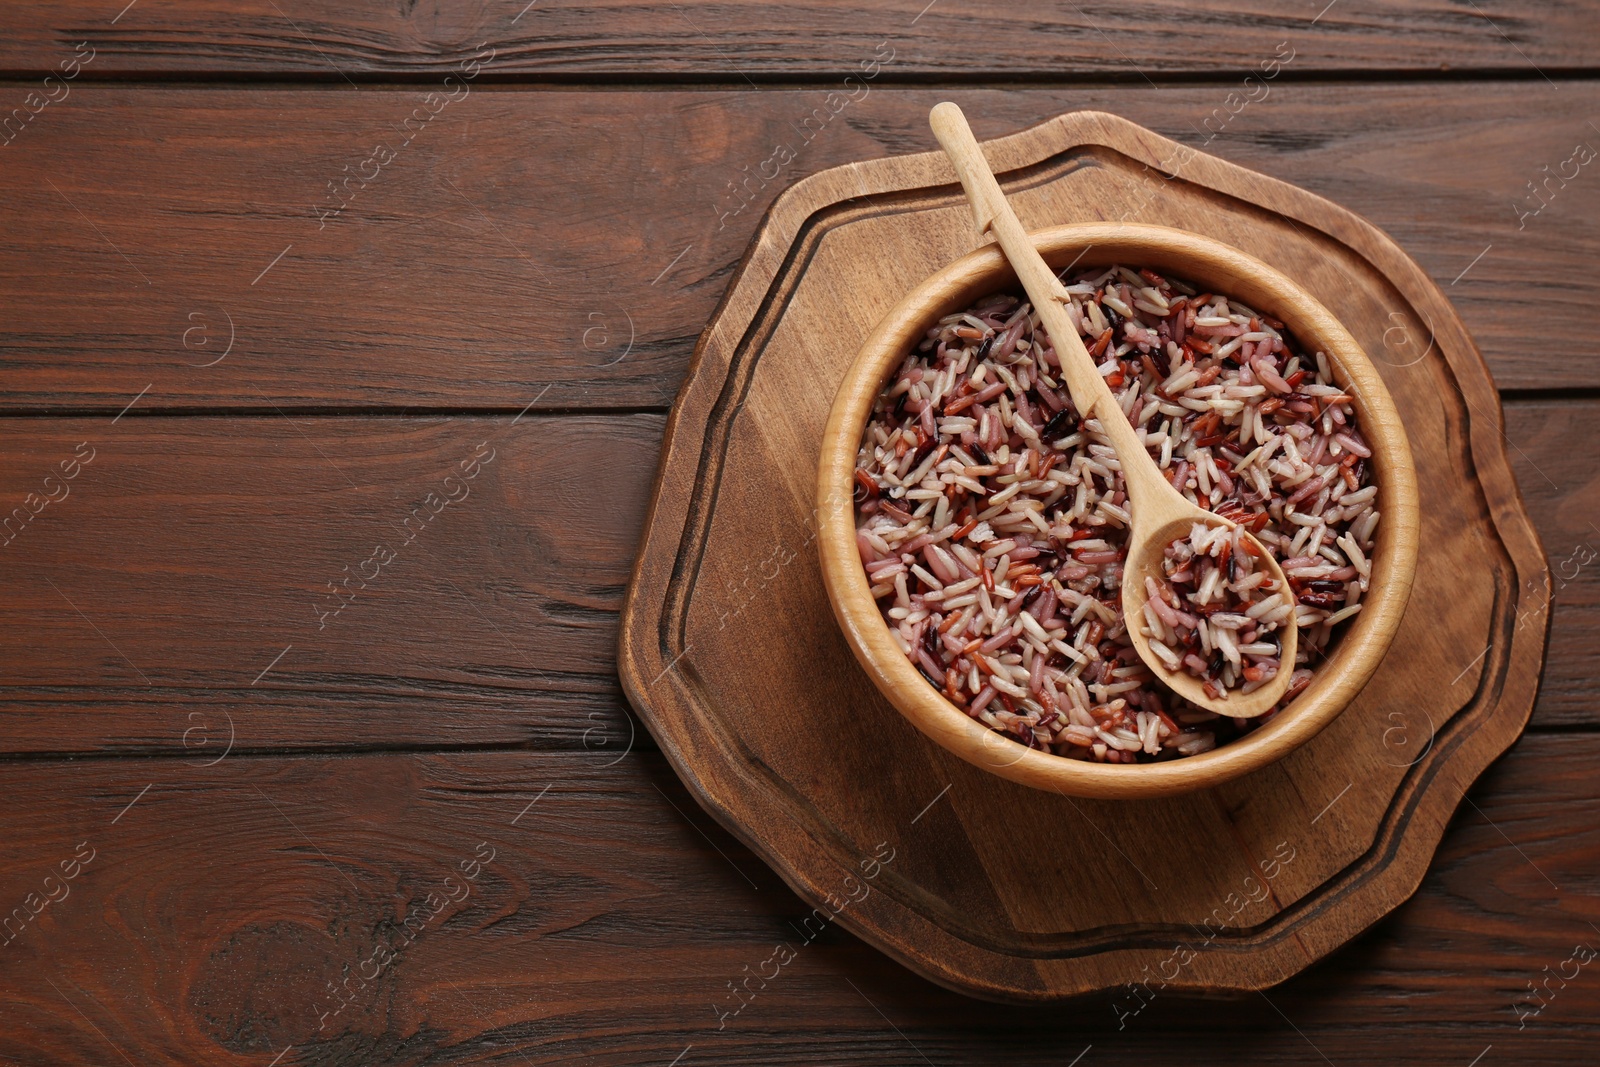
(338,347)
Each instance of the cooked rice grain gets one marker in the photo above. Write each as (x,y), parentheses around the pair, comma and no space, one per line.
(992,520)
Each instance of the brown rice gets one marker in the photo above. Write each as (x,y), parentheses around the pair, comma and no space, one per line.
(992,521)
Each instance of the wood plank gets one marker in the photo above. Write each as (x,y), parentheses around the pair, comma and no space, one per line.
(819,37)
(467,274)
(222,906)
(202,547)
(180,581)
(1561,484)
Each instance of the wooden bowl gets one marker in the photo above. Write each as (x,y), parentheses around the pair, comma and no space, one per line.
(1218,268)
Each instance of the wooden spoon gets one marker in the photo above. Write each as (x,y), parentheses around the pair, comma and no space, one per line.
(1160,514)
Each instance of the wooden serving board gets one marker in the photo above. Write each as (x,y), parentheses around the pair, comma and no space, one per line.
(732,657)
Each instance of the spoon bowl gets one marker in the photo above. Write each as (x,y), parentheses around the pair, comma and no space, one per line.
(1145,555)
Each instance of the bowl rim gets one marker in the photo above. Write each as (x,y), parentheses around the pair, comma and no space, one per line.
(1195,258)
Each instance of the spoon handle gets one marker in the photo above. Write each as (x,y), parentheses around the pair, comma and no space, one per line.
(1088,389)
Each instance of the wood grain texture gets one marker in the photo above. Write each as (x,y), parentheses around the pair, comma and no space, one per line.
(197,605)
(615,38)
(1561,485)
(607,933)
(137,547)
(476,574)
(1003,912)
(466,274)
(614,915)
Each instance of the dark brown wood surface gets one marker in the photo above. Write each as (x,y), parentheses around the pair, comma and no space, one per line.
(424,718)
(365,309)
(217,910)
(815,38)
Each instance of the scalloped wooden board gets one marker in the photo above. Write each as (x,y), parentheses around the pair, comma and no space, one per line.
(731,655)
